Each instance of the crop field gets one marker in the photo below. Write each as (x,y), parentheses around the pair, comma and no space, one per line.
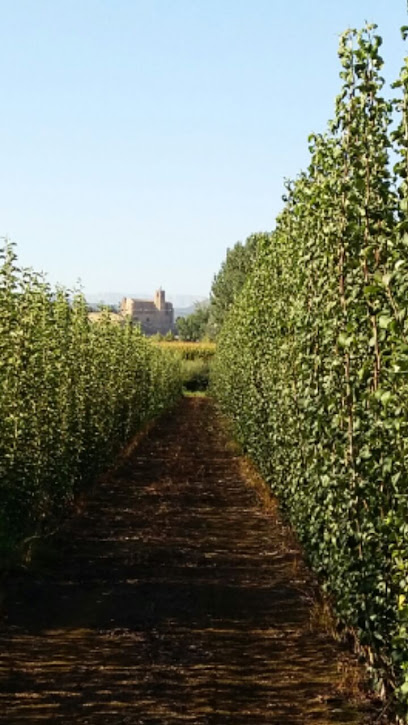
(195,360)
(245,559)
(189,350)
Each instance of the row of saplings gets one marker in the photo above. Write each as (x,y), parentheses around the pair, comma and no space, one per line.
(311,365)
(312,360)
(72,393)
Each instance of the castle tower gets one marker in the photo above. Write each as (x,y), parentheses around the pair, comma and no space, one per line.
(160,299)
(126,307)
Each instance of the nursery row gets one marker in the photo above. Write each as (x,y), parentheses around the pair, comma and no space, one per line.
(71,394)
(312,361)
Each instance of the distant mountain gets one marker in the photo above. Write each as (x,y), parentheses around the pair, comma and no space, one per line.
(183,311)
(180,302)
(186,311)
(184,301)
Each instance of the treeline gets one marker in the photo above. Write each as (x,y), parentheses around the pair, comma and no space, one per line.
(207,319)
(312,359)
(71,394)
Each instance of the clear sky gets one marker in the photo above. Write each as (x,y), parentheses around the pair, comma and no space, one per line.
(141,138)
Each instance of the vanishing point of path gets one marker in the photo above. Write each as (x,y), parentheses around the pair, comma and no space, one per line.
(173,597)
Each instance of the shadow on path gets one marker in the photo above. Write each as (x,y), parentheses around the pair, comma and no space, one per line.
(173,598)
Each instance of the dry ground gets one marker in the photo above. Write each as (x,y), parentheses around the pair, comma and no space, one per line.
(174,597)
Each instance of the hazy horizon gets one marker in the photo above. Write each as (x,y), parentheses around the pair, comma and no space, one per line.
(178,300)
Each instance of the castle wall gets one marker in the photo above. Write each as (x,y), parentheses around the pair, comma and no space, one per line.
(153,317)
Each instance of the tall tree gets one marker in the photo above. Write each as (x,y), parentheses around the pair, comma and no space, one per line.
(194,327)
(229,281)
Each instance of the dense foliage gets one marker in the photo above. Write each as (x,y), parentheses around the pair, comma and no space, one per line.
(207,319)
(194,327)
(71,394)
(312,360)
(230,279)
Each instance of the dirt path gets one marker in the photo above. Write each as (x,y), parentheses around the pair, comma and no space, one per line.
(174,597)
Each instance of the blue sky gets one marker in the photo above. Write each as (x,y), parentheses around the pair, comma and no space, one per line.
(141,138)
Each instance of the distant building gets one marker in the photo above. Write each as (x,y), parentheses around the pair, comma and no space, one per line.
(152,315)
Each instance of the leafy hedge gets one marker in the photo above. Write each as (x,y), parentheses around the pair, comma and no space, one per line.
(72,393)
(312,361)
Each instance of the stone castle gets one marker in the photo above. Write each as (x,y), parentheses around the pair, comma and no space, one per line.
(153,316)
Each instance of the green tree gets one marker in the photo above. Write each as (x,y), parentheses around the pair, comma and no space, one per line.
(229,281)
(73,393)
(194,327)
(312,360)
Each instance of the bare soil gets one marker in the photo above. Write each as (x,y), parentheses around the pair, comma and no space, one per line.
(174,596)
